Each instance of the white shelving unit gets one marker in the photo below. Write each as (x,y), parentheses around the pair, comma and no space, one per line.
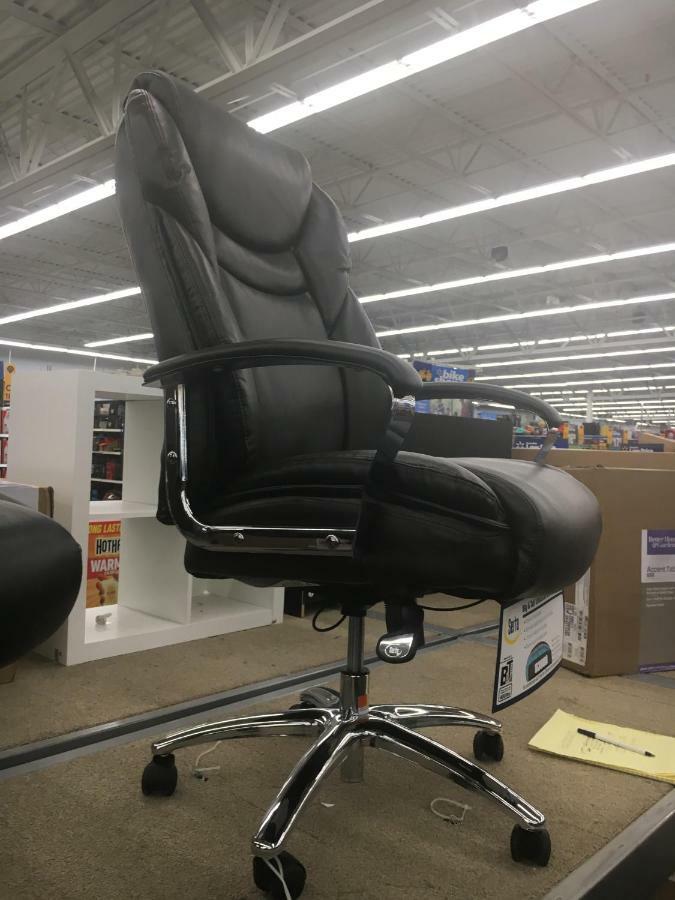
(159,603)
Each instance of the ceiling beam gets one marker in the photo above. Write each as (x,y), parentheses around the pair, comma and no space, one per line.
(36,20)
(76,38)
(277,65)
(217,35)
(89,92)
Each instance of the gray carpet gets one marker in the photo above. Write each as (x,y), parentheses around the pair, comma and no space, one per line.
(82,830)
(47,699)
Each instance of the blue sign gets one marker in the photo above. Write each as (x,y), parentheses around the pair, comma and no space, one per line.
(437,372)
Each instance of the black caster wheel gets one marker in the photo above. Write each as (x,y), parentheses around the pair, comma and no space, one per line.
(294,874)
(160,776)
(531,846)
(302,705)
(488,745)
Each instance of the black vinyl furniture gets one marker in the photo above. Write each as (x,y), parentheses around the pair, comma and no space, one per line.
(40,578)
(283,462)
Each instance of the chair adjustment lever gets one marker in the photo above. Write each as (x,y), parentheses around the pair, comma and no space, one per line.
(405,635)
(397,647)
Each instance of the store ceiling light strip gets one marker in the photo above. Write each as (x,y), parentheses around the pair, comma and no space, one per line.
(559,266)
(465,41)
(614,390)
(121,340)
(548,189)
(442,51)
(571,358)
(510,345)
(564,384)
(70,304)
(72,351)
(644,406)
(615,404)
(56,210)
(532,314)
(594,371)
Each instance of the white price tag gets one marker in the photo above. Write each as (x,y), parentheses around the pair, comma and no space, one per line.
(530,647)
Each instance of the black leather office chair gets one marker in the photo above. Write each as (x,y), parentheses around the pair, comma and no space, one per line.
(39,581)
(281,459)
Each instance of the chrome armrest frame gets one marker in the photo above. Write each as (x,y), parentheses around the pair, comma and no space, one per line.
(324,541)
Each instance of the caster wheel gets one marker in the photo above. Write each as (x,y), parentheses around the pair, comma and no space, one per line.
(488,745)
(531,846)
(302,705)
(294,874)
(160,776)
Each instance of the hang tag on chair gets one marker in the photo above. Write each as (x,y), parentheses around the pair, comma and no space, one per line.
(530,647)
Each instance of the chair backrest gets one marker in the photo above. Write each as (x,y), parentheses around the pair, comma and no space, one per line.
(232,241)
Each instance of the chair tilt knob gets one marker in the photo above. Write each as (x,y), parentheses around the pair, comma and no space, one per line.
(405,623)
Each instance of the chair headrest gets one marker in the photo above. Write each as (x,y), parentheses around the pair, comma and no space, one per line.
(256,190)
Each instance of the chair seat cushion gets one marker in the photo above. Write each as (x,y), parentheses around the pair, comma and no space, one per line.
(471,527)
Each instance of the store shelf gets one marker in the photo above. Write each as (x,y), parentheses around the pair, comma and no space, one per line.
(129,629)
(107,480)
(4,435)
(120,509)
(123,623)
(159,602)
(109,430)
(3,465)
(107,452)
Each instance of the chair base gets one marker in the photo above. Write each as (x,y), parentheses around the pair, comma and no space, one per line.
(343,727)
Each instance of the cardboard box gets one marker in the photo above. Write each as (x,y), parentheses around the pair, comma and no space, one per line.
(623,459)
(617,620)
(41,499)
(644,437)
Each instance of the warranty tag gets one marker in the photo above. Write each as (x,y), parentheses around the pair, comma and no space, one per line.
(530,647)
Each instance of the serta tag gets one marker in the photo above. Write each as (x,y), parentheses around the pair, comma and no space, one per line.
(530,647)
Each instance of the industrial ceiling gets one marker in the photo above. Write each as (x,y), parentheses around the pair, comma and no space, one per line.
(590,90)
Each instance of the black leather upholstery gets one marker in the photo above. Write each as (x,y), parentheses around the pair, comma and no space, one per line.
(232,242)
(41,573)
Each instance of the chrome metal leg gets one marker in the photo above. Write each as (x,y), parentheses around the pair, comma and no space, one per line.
(354,705)
(301,722)
(417,748)
(331,749)
(422,715)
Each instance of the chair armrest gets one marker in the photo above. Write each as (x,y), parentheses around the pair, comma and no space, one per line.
(397,373)
(449,390)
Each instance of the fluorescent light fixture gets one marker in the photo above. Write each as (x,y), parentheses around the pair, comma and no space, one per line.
(425,58)
(511,345)
(632,402)
(642,408)
(565,384)
(594,371)
(121,340)
(562,264)
(548,189)
(70,304)
(572,358)
(49,348)
(70,204)
(532,314)
(507,346)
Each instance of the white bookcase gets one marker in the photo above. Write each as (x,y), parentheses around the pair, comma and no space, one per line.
(159,603)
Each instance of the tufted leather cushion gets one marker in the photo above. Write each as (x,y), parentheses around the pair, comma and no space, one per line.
(260,197)
(464,526)
(231,241)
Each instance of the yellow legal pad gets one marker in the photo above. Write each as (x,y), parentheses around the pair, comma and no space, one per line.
(559,736)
